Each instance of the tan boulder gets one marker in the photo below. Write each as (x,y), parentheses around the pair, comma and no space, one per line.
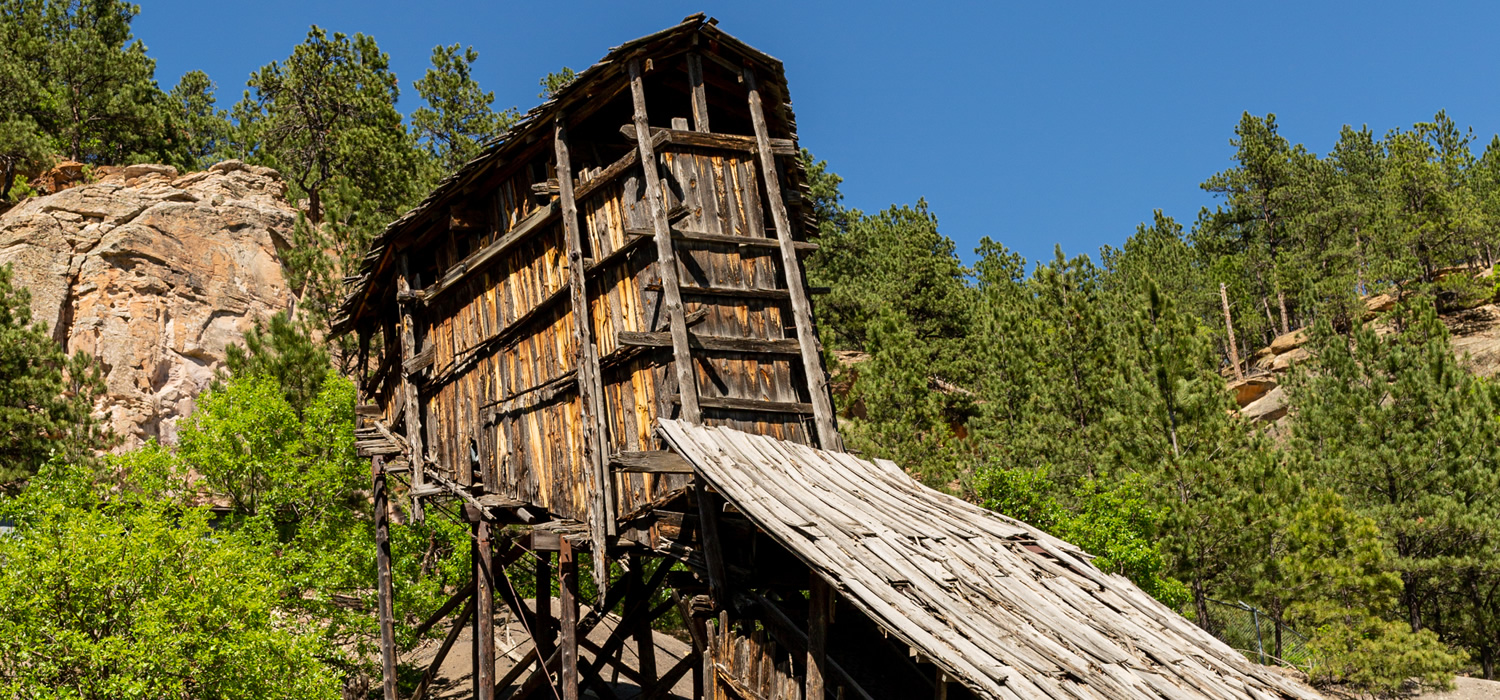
(1289,341)
(1249,389)
(1283,362)
(1380,303)
(153,275)
(1270,407)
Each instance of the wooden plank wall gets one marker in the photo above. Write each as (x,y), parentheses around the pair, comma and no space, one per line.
(531,451)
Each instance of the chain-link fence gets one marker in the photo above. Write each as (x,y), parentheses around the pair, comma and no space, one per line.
(1259,636)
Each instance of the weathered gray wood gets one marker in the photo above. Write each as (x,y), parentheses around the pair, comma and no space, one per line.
(817,379)
(484,613)
(447,608)
(412,409)
(713,548)
(567,579)
(724,238)
(383,593)
(700,93)
(784,346)
(729,403)
(820,602)
(650,462)
(677,136)
(644,644)
(663,687)
(545,629)
(601,517)
(666,257)
(790,636)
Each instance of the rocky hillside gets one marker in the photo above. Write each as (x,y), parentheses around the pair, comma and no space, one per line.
(153,274)
(1475,336)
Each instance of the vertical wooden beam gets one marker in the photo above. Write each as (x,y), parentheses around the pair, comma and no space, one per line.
(383,593)
(645,644)
(820,603)
(544,632)
(713,552)
(700,96)
(567,591)
(666,257)
(484,611)
(413,409)
(590,386)
(812,362)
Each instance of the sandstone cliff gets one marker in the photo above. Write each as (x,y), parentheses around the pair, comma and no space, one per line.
(153,274)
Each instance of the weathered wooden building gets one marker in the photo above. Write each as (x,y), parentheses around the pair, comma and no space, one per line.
(600,330)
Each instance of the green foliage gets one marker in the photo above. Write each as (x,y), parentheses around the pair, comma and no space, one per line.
(286,352)
(45,396)
(554,81)
(139,599)
(458,118)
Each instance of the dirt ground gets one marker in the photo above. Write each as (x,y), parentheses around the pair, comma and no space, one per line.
(455,681)
(1468,689)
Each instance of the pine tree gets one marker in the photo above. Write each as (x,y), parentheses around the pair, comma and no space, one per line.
(458,118)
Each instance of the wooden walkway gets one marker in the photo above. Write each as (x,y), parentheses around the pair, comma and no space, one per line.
(1001,607)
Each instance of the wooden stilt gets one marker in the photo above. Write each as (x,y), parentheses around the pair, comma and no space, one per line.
(383,593)
(484,613)
(700,96)
(597,480)
(546,625)
(645,645)
(819,604)
(413,408)
(708,531)
(567,591)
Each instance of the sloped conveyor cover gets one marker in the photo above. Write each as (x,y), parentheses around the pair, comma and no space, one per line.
(961,584)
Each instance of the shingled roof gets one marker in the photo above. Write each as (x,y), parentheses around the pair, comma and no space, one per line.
(1004,608)
(598,81)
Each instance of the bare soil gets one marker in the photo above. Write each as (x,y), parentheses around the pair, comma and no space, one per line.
(455,679)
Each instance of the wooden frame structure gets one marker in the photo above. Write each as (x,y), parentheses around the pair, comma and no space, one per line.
(538,313)
(597,337)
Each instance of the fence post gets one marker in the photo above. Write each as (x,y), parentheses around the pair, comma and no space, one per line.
(1260,647)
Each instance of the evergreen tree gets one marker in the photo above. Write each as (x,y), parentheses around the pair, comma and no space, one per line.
(458,118)
(46,398)
(1409,438)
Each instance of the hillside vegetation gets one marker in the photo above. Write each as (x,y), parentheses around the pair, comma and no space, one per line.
(1086,394)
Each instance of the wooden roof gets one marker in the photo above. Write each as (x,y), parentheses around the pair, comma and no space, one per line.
(1004,608)
(599,81)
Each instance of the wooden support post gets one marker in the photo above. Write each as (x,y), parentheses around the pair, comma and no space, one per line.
(1234,351)
(713,553)
(812,362)
(645,645)
(597,479)
(567,592)
(700,97)
(412,410)
(666,258)
(820,602)
(383,593)
(484,612)
(544,633)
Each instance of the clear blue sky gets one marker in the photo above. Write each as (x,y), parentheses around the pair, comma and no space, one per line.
(1034,123)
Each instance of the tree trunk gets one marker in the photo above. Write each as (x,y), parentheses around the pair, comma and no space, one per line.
(1234,352)
(1200,605)
(1281,301)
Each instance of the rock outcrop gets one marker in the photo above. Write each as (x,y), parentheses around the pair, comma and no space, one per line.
(154,275)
